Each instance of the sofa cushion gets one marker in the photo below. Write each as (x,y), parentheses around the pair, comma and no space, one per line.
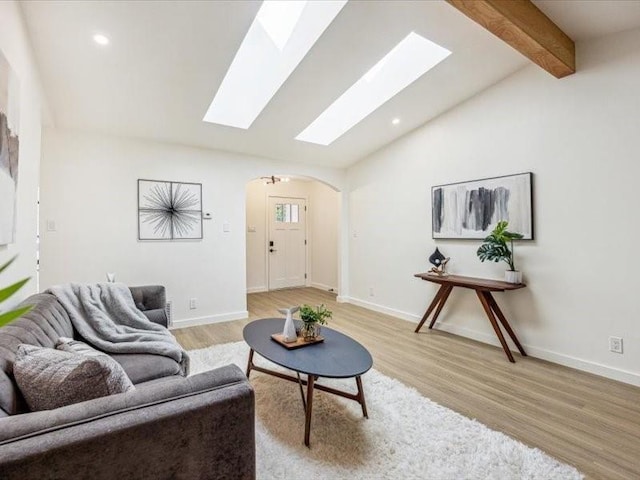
(142,367)
(9,395)
(42,326)
(139,367)
(76,346)
(50,378)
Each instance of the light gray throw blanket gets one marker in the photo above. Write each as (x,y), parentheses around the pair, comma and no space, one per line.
(105,315)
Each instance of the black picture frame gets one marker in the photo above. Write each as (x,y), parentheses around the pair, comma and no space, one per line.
(469,210)
(169,210)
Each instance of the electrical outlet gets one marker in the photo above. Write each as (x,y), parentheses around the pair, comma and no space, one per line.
(193,303)
(615,344)
(371,291)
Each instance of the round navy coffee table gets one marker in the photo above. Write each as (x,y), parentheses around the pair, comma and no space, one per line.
(339,356)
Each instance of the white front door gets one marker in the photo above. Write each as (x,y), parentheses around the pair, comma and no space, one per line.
(287,250)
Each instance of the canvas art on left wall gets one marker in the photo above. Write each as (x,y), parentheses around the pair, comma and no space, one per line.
(9,143)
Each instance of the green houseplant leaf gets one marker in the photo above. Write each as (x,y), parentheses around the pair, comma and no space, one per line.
(8,317)
(496,246)
(319,315)
(6,293)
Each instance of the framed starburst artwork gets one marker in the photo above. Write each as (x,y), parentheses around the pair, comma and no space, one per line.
(169,210)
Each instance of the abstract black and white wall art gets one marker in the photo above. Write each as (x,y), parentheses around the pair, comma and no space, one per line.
(470,210)
(169,210)
(9,149)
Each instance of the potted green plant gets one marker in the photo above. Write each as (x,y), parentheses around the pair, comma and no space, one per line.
(496,248)
(312,318)
(5,293)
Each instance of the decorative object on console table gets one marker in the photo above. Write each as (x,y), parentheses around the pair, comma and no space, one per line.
(468,210)
(439,263)
(495,248)
(289,334)
(169,210)
(6,293)
(9,149)
(312,319)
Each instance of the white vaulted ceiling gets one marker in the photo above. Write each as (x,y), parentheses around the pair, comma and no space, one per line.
(166,60)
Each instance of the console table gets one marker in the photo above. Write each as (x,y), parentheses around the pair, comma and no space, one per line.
(483,288)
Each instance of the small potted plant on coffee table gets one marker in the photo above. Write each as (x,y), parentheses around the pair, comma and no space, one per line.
(495,248)
(312,318)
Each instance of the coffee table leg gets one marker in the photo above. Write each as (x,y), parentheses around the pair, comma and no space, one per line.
(307,423)
(250,362)
(361,396)
(304,402)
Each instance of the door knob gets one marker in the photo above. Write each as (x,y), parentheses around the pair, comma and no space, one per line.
(272,250)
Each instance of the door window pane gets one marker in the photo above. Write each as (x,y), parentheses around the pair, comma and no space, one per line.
(287,212)
(279,212)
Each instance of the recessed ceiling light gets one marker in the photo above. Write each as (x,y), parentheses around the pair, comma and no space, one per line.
(405,63)
(280,36)
(100,39)
(395,121)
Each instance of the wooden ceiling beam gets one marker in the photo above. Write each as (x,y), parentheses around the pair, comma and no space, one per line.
(523,26)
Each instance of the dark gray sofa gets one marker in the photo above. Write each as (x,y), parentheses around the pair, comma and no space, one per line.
(168,427)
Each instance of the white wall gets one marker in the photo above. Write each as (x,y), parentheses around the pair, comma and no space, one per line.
(323,218)
(581,138)
(325,233)
(16,48)
(89,188)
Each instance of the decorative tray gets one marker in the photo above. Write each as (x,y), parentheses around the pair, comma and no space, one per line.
(300,342)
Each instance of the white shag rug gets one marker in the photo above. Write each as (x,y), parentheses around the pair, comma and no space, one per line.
(407,436)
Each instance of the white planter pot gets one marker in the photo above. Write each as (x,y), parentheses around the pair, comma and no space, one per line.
(513,276)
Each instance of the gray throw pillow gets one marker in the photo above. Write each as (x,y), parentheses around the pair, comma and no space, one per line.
(51,378)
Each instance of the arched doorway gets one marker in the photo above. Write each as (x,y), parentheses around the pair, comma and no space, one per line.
(293,234)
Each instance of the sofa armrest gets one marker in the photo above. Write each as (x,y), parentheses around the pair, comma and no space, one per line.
(194,427)
(149,297)
(152,301)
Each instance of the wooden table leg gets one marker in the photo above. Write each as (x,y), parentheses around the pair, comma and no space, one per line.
(503,320)
(494,324)
(307,420)
(361,396)
(304,402)
(250,362)
(443,300)
(434,302)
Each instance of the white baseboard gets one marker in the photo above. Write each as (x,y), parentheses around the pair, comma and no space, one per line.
(484,337)
(219,318)
(257,289)
(322,286)
(380,308)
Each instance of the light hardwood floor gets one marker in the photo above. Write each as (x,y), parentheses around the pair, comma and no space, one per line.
(587,421)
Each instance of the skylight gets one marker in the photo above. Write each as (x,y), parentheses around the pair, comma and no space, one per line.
(279,18)
(280,36)
(405,63)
